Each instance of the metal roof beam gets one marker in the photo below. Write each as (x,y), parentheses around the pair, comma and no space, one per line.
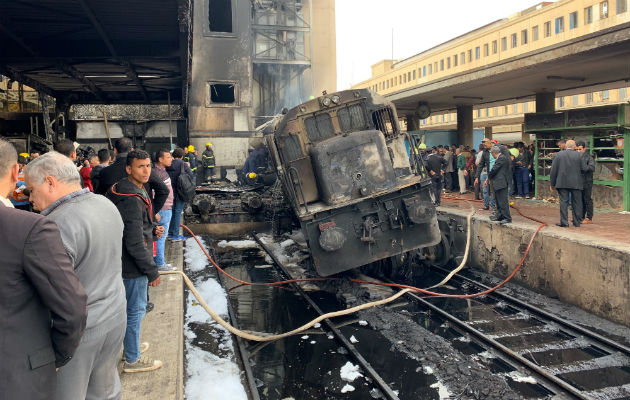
(129,69)
(74,73)
(19,77)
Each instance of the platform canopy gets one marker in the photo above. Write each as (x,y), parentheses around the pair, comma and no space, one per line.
(98,51)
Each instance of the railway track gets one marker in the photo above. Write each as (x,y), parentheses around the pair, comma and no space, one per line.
(508,335)
(578,361)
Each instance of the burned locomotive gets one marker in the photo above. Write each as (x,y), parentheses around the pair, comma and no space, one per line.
(346,172)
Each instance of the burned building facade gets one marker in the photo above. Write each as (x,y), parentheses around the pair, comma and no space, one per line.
(250,59)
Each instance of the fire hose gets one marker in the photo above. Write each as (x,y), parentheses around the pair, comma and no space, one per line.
(264,337)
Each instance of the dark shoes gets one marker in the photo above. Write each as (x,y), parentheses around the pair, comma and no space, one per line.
(562,225)
(494,218)
(484,208)
(505,221)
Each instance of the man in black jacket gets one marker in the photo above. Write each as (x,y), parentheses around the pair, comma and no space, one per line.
(499,175)
(42,303)
(587,182)
(436,165)
(176,168)
(118,170)
(566,176)
(138,267)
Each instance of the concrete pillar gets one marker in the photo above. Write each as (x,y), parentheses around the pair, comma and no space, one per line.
(487,132)
(465,125)
(546,102)
(413,124)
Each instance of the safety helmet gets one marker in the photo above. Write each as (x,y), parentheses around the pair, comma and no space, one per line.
(25,155)
(252,175)
(191,148)
(422,146)
(208,144)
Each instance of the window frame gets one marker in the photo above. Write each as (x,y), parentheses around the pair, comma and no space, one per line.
(513,40)
(604,11)
(524,37)
(547,29)
(237,94)
(573,20)
(559,25)
(535,33)
(486,50)
(504,43)
(206,25)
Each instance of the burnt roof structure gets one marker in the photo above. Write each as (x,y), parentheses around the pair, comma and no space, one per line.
(98,51)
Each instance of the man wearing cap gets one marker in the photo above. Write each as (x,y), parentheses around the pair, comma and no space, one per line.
(207,163)
(191,158)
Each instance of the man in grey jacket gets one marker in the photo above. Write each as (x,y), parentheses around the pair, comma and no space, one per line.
(91,230)
(42,303)
(566,176)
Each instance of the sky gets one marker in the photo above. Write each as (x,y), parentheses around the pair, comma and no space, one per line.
(364,29)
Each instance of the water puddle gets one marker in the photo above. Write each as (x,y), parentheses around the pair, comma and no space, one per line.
(565,356)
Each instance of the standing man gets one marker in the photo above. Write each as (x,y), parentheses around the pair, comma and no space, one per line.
(566,176)
(436,165)
(448,177)
(522,164)
(500,175)
(191,158)
(91,231)
(42,303)
(103,162)
(207,162)
(177,167)
(138,268)
(68,148)
(118,170)
(483,166)
(164,159)
(461,170)
(587,184)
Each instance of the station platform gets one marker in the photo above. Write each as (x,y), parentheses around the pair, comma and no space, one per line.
(163,328)
(587,266)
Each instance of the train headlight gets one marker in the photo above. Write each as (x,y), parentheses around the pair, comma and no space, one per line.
(335,99)
(326,101)
(332,238)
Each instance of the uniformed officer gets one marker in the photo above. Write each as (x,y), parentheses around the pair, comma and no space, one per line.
(207,162)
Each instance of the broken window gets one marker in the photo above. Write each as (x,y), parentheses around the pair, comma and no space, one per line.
(220,15)
(223,93)
(351,119)
(319,128)
(383,120)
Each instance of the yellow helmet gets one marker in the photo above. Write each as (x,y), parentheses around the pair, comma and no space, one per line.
(25,155)
(208,144)
(191,148)
(252,175)
(422,146)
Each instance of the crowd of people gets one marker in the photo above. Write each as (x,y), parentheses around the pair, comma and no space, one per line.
(79,253)
(497,172)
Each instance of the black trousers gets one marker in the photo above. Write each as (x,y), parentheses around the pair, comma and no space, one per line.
(437,188)
(576,206)
(587,200)
(448,181)
(503,205)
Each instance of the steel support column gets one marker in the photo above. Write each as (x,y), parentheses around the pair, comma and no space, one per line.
(465,125)
(546,102)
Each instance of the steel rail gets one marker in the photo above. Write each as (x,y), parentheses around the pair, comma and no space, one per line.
(365,365)
(242,350)
(545,314)
(555,381)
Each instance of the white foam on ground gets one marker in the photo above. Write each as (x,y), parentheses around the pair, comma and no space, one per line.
(287,243)
(349,372)
(353,339)
(238,244)
(516,376)
(212,377)
(442,390)
(194,257)
(209,375)
(363,323)
(427,369)
(347,388)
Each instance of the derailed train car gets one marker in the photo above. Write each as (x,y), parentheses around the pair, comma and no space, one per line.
(346,172)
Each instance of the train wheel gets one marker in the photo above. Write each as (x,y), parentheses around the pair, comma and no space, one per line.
(440,254)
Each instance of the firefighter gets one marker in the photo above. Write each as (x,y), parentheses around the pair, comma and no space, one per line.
(191,158)
(207,163)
